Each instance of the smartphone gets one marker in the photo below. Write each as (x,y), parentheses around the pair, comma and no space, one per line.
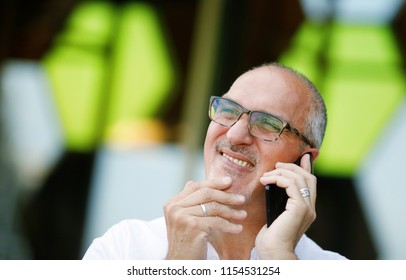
(276,198)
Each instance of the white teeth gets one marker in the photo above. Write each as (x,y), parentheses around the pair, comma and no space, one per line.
(237,161)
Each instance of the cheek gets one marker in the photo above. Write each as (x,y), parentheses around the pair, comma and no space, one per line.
(208,142)
(270,155)
(214,131)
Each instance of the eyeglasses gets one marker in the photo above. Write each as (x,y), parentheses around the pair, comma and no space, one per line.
(264,126)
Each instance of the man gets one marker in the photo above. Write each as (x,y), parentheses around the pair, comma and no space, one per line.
(271,117)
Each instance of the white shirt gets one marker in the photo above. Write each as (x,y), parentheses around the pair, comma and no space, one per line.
(146,240)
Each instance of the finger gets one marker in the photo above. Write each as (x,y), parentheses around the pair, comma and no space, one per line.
(293,167)
(208,224)
(205,195)
(306,163)
(298,179)
(216,209)
(193,186)
(305,192)
(291,186)
(302,178)
(220,183)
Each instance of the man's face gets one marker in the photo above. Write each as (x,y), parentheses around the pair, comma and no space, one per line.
(234,152)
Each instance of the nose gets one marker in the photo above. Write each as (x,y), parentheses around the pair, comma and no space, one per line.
(238,134)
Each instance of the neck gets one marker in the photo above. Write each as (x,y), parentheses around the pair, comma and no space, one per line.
(239,246)
(235,246)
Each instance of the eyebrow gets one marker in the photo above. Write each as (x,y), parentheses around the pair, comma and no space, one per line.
(229,98)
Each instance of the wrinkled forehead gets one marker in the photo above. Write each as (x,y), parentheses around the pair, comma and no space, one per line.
(272,90)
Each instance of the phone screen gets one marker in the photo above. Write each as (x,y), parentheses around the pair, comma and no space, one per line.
(276,199)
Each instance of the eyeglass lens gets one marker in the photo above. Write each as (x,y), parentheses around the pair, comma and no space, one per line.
(226,112)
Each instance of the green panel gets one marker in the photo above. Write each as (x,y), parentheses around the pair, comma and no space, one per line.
(362,85)
(143,74)
(99,46)
(76,67)
(357,112)
(90,24)
(303,50)
(363,43)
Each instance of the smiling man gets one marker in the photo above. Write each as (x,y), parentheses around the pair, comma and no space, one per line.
(271,117)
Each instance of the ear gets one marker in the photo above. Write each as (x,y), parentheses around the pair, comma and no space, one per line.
(306,161)
(314,152)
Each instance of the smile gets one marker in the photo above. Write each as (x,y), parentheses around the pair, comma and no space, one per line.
(237,161)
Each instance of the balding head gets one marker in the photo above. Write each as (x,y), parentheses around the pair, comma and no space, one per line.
(313,109)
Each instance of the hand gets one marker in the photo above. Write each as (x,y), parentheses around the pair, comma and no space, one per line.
(189,227)
(280,239)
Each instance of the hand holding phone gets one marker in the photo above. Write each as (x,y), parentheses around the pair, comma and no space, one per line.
(276,199)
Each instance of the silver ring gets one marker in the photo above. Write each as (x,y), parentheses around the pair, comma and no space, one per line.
(305,192)
(204,210)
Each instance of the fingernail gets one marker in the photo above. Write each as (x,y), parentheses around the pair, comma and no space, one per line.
(240,197)
(227,180)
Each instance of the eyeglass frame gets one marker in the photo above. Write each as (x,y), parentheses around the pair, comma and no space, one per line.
(285,125)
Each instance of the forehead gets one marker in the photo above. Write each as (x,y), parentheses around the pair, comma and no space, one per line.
(272,90)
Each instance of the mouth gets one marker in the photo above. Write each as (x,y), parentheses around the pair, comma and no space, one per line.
(239,162)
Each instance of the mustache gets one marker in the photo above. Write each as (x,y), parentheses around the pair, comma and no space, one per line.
(240,149)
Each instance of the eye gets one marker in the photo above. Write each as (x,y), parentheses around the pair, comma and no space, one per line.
(227,109)
(265,123)
(229,112)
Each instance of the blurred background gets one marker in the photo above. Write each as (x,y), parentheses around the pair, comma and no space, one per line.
(103,112)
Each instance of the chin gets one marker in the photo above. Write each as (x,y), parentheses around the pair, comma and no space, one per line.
(244,188)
